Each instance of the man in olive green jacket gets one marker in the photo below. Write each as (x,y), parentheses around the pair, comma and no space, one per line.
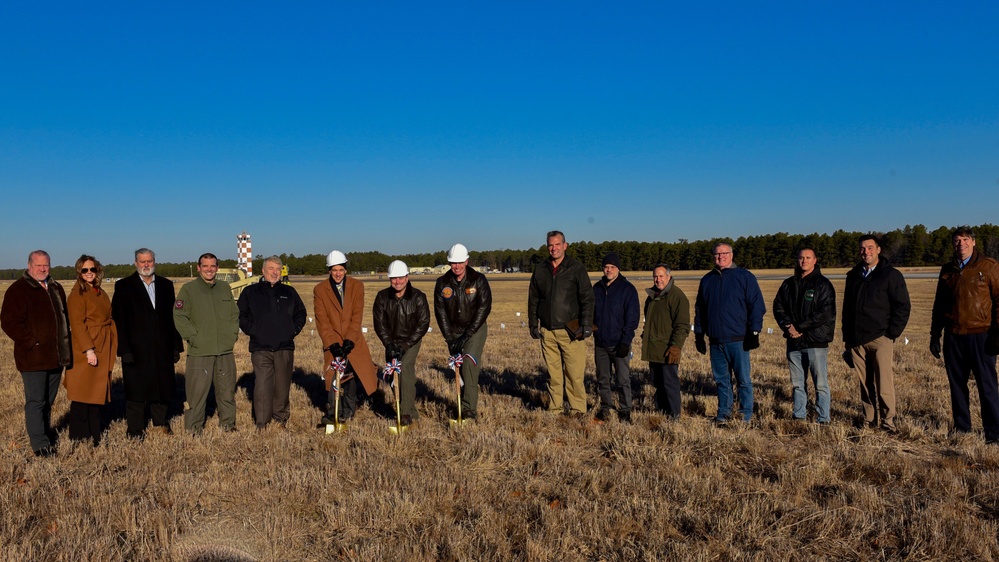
(667,324)
(208,320)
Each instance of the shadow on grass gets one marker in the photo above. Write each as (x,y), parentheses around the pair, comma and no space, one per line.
(115,411)
(529,388)
(380,401)
(313,386)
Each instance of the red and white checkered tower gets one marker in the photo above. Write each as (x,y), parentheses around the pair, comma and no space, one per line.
(244,253)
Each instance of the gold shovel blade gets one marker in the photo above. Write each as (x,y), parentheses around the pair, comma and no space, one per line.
(335,427)
(398,429)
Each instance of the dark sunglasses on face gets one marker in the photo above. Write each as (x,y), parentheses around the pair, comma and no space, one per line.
(88,269)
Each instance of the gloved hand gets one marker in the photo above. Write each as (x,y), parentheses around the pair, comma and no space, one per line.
(586,333)
(536,333)
(848,358)
(348,346)
(700,344)
(393,351)
(622,350)
(751,341)
(456,345)
(176,356)
(673,355)
(935,346)
(336,350)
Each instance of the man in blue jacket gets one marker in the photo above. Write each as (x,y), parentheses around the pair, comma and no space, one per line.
(616,318)
(729,311)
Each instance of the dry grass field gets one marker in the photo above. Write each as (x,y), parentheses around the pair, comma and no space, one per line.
(519,484)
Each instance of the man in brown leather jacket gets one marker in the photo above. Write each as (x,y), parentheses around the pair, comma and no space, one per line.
(402,317)
(462,302)
(966,311)
(34,316)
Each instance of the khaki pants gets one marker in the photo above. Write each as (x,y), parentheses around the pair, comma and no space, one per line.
(470,372)
(201,373)
(407,382)
(872,363)
(566,360)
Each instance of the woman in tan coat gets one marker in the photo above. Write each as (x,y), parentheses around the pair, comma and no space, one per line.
(95,345)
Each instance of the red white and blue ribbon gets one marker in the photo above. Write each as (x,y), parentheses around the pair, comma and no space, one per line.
(456,361)
(339,365)
(339,368)
(392,369)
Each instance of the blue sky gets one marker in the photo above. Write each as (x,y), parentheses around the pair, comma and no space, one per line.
(405,127)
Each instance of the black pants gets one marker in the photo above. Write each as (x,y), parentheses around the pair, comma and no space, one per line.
(86,421)
(964,354)
(348,400)
(40,391)
(136,418)
(667,383)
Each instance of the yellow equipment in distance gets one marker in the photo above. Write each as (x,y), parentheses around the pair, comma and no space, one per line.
(236,278)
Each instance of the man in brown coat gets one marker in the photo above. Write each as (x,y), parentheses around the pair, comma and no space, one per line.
(339,306)
(966,313)
(34,316)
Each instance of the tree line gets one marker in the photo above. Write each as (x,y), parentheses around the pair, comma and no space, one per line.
(911,246)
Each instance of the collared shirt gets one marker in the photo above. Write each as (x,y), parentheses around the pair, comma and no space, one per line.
(964,262)
(151,290)
(868,270)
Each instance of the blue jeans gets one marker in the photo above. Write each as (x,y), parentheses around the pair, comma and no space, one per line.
(815,361)
(728,358)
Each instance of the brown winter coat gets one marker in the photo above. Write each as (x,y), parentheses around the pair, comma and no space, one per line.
(35,319)
(336,323)
(967,299)
(92,328)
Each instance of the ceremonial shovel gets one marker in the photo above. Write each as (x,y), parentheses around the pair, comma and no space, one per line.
(394,368)
(339,365)
(455,361)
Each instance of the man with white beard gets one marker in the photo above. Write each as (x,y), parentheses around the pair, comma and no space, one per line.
(148,344)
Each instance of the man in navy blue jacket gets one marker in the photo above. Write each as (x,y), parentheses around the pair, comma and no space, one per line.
(729,311)
(616,318)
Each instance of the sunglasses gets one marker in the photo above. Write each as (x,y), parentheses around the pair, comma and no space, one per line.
(88,270)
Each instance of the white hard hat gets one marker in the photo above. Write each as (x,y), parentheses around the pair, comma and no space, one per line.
(397,269)
(458,253)
(335,257)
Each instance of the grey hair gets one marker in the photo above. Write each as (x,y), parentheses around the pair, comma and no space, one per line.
(714,248)
(144,251)
(39,253)
(273,259)
(662,266)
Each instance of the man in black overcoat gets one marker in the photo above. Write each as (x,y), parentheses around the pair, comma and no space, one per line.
(148,344)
